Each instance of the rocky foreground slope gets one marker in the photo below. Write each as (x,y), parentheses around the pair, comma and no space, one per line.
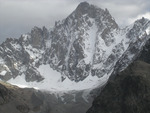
(129,92)
(28,100)
(16,100)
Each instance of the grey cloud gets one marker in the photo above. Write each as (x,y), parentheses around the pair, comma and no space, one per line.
(122,10)
(20,16)
(17,17)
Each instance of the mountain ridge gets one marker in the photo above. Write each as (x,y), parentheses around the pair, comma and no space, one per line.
(86,46)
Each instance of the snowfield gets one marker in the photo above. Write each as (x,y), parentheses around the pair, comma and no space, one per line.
(53,81)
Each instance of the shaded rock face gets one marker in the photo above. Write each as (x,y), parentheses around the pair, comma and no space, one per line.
(38,37)
(129,92)
(145,53)
(5,95)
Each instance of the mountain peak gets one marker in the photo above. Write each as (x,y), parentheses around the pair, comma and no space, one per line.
(142,21)
(83,5)
(86,8)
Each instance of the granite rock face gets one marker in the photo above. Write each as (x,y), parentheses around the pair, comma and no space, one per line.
(87,42)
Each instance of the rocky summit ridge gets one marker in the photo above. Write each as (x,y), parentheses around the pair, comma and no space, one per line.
(86,46)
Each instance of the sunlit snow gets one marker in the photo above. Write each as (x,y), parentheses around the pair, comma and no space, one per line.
(148,31)
(3,73)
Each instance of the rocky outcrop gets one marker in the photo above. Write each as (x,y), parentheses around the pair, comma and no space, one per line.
(21,56)
(145,53)
(38,37)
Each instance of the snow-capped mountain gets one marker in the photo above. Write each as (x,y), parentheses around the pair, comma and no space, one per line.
(80,52)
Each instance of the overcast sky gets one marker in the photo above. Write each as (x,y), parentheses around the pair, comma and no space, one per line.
(20,16)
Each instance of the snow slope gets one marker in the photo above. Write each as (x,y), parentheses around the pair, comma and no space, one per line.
(53,81)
